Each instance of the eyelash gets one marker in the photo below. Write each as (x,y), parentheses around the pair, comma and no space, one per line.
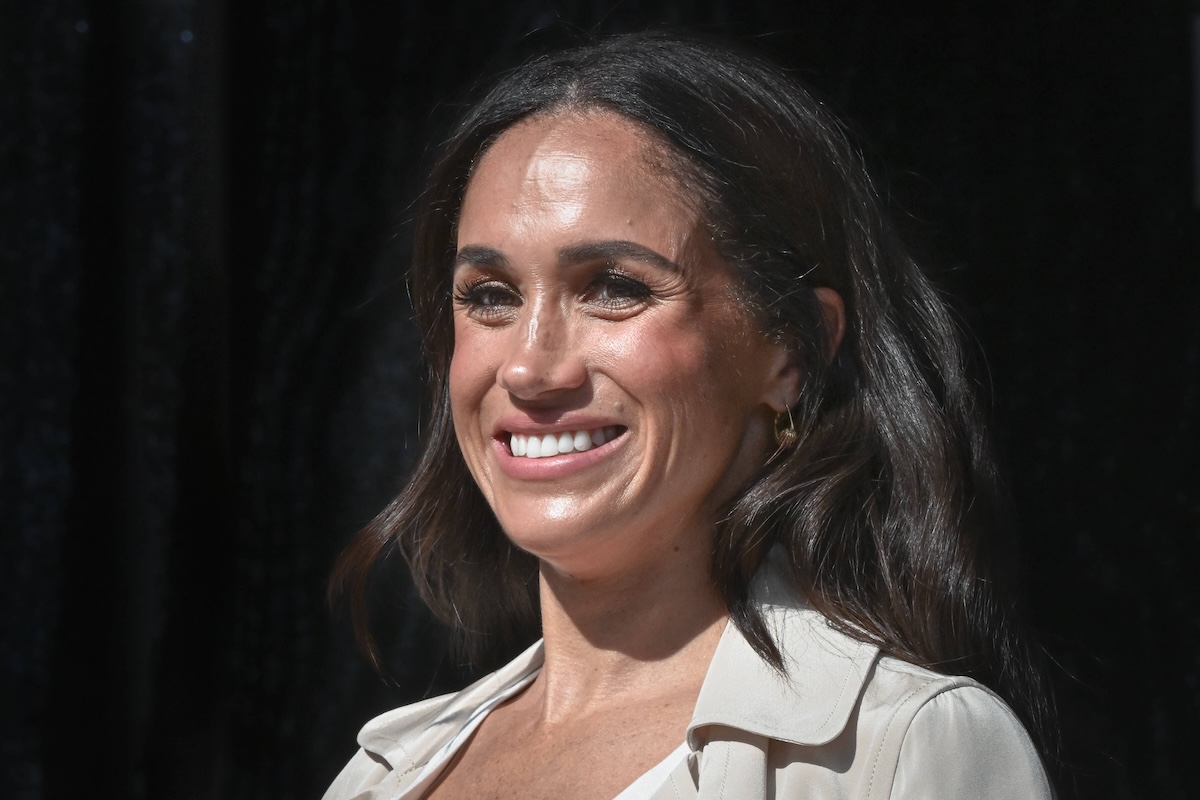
(631,290)
(480,295)
(488,298)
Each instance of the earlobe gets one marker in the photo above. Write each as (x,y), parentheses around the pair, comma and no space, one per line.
(834,311)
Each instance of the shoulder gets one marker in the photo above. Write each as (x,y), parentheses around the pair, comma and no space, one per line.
(387,747)
(844,717)
(924,733)
(395,745)
(382,733)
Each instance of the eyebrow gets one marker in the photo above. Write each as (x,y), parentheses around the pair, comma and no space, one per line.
(476,255)
(614,250)
(609,250)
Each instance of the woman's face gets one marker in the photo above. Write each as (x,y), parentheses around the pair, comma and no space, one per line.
(594,321)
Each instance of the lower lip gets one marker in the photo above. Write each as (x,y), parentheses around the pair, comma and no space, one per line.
(553,467)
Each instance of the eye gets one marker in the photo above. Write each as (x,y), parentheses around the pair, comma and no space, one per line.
(613,290)
(487,300)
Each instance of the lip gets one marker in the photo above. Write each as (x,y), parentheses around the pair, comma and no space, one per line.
(552,467)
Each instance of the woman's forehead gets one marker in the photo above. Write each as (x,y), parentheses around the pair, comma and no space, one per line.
(627,147)
(570,165)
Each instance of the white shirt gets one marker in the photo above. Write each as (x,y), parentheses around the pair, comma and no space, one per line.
(840,720)
(641,789)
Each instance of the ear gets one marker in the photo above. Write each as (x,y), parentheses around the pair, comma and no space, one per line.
(783,384)
(834,311)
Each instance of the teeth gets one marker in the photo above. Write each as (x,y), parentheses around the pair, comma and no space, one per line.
(553,444)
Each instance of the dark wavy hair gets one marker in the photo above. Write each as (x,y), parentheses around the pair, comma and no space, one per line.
(888,504)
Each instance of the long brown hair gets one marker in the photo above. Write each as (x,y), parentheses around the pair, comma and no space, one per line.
(887,506)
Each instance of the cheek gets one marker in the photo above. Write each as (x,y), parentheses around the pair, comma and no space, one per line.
(471,371)
(469,381)
(714,376)
(666,363)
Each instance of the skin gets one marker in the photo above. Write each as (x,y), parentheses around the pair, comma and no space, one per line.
(588,294)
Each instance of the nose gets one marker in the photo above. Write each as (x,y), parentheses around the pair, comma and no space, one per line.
(543,356)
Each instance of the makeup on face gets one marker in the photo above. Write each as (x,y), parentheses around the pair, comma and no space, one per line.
(606,386)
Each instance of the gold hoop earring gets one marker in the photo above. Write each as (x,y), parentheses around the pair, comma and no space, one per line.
(785,429)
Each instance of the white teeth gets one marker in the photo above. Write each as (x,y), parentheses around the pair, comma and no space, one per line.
(553,444)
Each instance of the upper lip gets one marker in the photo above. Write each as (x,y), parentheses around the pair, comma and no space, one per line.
(520,423)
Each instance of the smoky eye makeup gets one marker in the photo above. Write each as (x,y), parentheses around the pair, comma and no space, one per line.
(479,279)
(613,287)
(485,297)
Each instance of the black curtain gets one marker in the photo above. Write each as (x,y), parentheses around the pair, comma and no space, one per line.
(210,380)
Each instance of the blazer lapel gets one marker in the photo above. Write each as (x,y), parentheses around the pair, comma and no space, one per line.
(733,768)
(406,739)
(809,702)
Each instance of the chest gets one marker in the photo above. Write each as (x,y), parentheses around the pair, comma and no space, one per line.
(594,759)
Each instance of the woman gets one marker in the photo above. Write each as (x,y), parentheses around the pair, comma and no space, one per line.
(697,416)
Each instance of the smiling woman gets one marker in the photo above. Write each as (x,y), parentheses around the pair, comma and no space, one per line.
(700,421)
(591,303)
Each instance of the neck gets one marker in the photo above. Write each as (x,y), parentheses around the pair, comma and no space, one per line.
(634,637)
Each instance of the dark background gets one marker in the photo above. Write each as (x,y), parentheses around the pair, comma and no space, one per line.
(208,376)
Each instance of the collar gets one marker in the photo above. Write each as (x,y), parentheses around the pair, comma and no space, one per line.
(808,703)
(407,737)
(811,700)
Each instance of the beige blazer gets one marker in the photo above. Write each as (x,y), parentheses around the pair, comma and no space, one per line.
(841,722)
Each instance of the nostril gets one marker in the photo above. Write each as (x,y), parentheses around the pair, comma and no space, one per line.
(529,377)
